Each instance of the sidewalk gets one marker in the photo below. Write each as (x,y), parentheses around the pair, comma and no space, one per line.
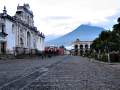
(112,64)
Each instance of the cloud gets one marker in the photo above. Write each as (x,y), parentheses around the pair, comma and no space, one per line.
(110,21)
(57,17)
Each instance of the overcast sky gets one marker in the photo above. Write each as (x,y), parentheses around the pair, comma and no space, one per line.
(57,17)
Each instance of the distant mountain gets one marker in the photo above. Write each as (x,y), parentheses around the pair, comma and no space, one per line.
(83,32)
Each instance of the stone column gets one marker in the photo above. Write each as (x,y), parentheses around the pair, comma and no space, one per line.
(16,35)
(83,48)
(79,49)
(88,46)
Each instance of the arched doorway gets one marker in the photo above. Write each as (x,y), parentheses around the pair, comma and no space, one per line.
(3,47)
(76,49)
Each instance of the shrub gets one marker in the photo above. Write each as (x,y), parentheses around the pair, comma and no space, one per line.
(114,57)
(104,57)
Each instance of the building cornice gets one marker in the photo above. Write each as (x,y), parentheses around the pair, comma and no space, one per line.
(23,7)
(15,19)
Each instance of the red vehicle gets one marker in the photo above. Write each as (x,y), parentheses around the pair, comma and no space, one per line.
(54,50)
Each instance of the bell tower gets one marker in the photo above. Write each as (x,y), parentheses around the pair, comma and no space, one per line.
(4,11)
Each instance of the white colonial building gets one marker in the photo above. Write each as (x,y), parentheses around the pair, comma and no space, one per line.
(81,47)
(18,35)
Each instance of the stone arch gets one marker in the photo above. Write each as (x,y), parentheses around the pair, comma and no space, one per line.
(81,46)
(28,39)
(86,46)
(76,49)
(76,46)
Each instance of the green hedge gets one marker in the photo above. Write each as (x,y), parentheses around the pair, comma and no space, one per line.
(104,57)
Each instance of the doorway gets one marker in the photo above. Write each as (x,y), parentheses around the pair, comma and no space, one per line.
(3,47)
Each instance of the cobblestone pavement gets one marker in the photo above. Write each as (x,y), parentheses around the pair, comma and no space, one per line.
(13,70)
(65,73)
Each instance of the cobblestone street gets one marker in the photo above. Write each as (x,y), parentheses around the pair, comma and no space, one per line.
(58,73)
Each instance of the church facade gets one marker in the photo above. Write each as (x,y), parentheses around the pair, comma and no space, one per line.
(18,35)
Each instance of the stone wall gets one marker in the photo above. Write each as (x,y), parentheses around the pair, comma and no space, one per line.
(25,51)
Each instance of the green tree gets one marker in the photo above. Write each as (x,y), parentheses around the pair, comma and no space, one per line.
(102,42)
(108,41)
(115,37)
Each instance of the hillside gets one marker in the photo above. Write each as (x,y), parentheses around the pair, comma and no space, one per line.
(83,32)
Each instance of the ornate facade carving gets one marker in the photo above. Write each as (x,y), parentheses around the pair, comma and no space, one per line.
(22,36)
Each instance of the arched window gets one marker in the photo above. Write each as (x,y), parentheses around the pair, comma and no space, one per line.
(86,46)
(28,39)
(76,46)
(81,46)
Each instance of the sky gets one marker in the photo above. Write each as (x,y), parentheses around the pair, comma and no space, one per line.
(58,17)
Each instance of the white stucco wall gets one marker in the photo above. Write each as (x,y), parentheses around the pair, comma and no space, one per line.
(40,44)
(10,37)
(39,47)
(32,39)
